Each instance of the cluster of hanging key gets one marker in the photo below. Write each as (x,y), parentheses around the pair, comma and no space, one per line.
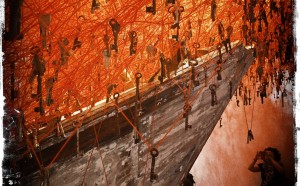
(274,78)
(268,80)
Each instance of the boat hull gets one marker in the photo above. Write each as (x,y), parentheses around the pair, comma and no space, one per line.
(161,122)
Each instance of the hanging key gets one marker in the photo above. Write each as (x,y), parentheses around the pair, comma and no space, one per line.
(211,41)
(19,121)
(219,48)
(59,128)
(35,138)
(186,109)
(154,154)
(170,1)
(106,42)
(76,43)
(218,69)
(152,9)
(251,14)
(115,26)
(38,64)
(44,22)
(259,27)
(240,90)
(136,137)
(262,97)
(245,98)
(49,87)
(137,109)
(116,98)
(189,33)
(169,68)
(56,65)
(106,53)
(176,11)
(249,98)
(78,140)
(230,90)
(95,5)
(263,15)
(282,14)
(245,33)
(263,94)
(221,31)
(283,94)
(152,51)
(110,88)
(225,44)
(176,37)
(196,46)
(14,26)
(250,136)
(38,69)
(260,72)
(213,88)
(271,35)
(133,42)
(162,68)
(229,30)
(272,7)
(193,76)
(40,109)
(213,10)
(45,176)
(205,75)
(64,54)
(153,76)
(138,76)
(106,57)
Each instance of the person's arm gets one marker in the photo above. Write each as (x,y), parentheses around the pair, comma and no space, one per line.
(277,166)
(252,167)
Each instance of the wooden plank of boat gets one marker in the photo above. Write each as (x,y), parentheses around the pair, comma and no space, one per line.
(178,150)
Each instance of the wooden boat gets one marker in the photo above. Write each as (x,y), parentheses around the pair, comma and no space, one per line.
(116,142)
(165,93)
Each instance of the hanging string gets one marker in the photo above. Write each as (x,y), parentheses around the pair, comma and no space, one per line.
(146,166)
(96,141)
(99,150)
(173,125)
(133,126)
(253,105)
(75,79)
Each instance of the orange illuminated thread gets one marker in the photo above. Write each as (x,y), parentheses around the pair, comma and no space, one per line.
(84,65)
(92,28)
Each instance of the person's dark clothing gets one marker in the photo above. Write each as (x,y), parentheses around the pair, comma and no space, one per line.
(189,180)
(269,175)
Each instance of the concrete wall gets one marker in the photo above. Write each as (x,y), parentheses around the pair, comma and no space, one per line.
(225,158)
